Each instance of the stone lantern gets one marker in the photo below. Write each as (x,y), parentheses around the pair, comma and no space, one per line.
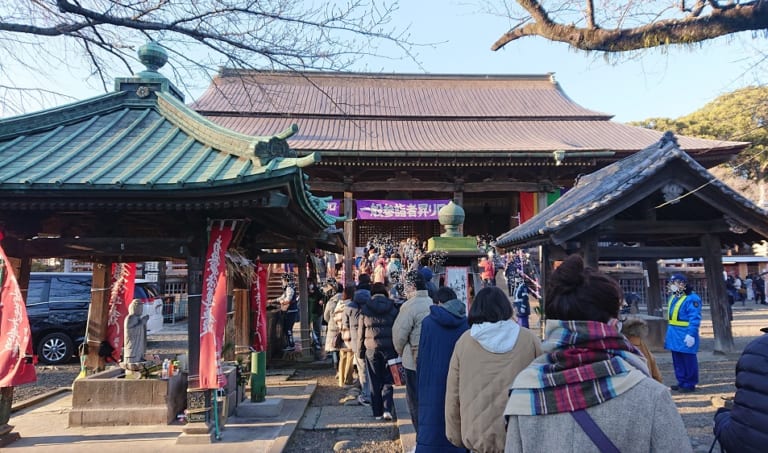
(454,250)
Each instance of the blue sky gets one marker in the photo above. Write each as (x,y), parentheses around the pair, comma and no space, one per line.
(655,83)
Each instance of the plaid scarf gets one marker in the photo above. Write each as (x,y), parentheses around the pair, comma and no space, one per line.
(587,363)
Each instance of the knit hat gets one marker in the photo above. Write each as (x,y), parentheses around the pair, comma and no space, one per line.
(426,273)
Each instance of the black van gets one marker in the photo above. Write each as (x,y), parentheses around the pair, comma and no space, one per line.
(57,308)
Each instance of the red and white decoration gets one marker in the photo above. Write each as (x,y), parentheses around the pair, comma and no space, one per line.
(213,310)
(16,361)
(259,308)
(120,297)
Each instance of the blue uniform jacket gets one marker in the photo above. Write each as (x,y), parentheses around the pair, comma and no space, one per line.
(689,311)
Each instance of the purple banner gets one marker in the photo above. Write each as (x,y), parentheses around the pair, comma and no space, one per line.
(399,209)
(333,207)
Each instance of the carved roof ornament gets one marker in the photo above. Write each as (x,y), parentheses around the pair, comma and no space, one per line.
(153,56)
(672,193)
(735,227)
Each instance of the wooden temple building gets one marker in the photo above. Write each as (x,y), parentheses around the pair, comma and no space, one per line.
(136,175)
(501,146)
(657,203)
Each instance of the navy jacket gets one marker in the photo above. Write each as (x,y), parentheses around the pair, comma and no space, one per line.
(439,333)
(745,428)
(375,327)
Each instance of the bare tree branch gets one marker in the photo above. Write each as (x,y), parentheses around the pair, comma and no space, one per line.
(47,36)
(705,20)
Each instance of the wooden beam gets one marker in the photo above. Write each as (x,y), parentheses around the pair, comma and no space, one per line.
(126,247)
(639,253)
(428,186)
(666,227)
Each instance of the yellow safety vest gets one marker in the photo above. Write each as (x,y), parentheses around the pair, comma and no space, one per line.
(674,309)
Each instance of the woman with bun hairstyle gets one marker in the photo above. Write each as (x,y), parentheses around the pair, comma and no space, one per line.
(484,363)
(591,390)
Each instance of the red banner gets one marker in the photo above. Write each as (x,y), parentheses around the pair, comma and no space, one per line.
(259,308)
(120,297)
(527,205)
(16,365)
(213,310)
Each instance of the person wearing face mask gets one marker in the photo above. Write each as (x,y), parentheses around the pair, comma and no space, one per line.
(684,318)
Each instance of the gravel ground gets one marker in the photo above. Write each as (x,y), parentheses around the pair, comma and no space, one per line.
(52,377)
(328,393)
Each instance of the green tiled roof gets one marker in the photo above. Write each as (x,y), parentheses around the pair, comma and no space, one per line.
(114,141)
(142,138)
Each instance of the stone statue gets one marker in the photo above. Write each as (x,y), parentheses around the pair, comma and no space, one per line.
(135,344)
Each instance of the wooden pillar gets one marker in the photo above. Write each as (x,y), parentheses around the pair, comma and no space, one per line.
(195,265)
(545,270)
(301,267)
(718,300)
(98,313)
(653,296)
(198,400)
(589,249)
(242,321)
(458,198)
(349,238)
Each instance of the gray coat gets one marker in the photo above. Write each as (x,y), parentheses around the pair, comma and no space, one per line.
(643,419)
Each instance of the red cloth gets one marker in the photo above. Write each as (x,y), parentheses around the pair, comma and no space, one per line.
(527,205)
(120,297)
(213,310)
(259,308)
(16,365)
(488,271)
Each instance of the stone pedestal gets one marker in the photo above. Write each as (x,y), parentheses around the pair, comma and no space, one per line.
(270,407)
(108,399)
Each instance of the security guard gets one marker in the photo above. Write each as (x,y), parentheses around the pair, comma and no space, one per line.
(684,318)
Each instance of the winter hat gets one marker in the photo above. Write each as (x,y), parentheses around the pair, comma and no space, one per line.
(426,273)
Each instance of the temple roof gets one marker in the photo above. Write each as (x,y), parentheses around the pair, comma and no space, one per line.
(141,161)
(344,114)
(692,193)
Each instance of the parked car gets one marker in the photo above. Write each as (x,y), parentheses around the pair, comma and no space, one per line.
(57,308)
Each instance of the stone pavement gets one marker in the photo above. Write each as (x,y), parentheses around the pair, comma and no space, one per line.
(43,428)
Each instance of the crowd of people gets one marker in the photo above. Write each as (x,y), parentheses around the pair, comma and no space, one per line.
(477,379)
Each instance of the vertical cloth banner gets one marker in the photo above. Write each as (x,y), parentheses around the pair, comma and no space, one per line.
(213,312)
(16,364)
(259,308)
(527,205)
(120,297)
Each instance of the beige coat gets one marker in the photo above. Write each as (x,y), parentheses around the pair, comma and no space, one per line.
(406,331)
(477,390)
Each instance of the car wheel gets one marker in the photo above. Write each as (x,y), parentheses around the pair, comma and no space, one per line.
(55,348)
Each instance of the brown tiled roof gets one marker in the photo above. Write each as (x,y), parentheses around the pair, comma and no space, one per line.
(374,113)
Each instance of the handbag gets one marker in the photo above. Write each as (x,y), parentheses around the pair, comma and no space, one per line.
(338,342)
(397,370)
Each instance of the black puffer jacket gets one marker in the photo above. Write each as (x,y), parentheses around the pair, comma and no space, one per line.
(745,427)
(375,326)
